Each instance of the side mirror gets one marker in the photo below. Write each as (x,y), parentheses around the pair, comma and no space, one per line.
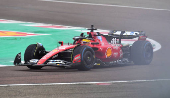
(61,43)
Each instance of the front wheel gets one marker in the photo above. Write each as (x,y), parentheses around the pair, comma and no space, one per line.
(142,52)
(87,57)
(32,53)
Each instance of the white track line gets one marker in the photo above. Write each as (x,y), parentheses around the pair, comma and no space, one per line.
(85,83)
(4,65)
(108,5)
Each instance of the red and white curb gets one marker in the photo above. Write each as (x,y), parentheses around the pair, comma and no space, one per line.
(85,83)
(4,33)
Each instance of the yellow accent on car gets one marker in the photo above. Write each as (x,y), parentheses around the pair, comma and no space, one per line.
(55,50)
(86,40)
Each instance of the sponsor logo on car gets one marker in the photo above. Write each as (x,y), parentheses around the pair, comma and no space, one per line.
(115,54)
(108,52)
(77,58)
(121,53)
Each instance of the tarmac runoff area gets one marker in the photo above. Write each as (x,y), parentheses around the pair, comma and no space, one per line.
(147,81)
(106,5)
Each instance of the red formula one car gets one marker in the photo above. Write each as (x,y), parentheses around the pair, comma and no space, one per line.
(85,52)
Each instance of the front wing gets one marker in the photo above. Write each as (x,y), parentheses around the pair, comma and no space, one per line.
(33,62)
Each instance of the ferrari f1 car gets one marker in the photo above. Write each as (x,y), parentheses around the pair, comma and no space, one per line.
(87,51)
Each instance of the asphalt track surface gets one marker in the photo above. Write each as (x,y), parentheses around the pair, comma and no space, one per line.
(154,22)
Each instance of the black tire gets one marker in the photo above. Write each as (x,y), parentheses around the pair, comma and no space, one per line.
(142,52)
(30,54)
(87,57)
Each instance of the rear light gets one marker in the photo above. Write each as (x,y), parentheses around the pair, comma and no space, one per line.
(142,37)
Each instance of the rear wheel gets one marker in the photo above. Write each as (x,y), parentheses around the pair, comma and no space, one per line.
(142,52)
(87,57)
(32,53)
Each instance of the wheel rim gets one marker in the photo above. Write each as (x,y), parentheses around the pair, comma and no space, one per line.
(148,53)
(88,59)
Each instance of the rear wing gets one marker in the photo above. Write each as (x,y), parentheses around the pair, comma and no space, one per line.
(125,35)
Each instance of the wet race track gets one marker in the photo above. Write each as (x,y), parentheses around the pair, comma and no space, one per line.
(120,81)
